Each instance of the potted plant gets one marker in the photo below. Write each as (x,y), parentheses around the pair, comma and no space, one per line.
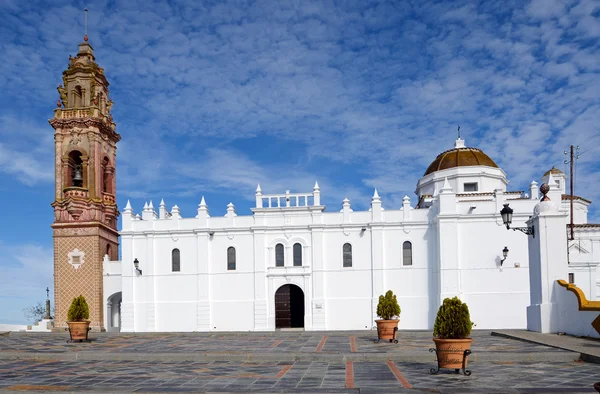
(77,315)
(387,309)
(452,328)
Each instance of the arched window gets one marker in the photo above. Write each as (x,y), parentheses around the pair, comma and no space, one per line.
(279,258)
(105,176)
(347,255)
(75,176)
(406,253)
(297,255)
(175,260)
(77,97)
(231,258)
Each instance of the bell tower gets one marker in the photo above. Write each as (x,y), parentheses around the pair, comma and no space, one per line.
(85,210)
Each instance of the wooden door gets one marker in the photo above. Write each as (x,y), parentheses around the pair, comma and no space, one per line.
(283,307)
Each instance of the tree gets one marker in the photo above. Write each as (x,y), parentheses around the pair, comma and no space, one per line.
(36,312)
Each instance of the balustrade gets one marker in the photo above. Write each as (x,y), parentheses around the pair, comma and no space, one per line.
(108,198)
(75,192)
(287,200)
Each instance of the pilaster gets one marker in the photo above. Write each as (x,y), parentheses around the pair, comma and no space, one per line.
(260,284)
(319,306)
(547,264)
(377,256)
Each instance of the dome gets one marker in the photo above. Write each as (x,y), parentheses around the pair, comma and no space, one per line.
(553,171)
(460,156)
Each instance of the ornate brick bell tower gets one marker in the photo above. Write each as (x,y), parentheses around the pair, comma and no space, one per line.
(85,210)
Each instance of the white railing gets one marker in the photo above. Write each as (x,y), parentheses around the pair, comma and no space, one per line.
(287,200)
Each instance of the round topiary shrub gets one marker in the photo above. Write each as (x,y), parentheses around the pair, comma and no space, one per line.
(388,306)
(78,311)
(453,320)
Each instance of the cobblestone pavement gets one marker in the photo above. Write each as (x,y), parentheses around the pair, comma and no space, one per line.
(375,377)
(277,342)
(332,362)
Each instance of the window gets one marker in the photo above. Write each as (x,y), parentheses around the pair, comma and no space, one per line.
(297,255)
(279,259)
(175,261)
(75,169)
(105,176)
(347,255)
(471,187)
(231,258)
(571,278)
(406,253)
(77,97)
(108,250)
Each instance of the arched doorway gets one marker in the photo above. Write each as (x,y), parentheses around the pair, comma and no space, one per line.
(289,307)
(113,312)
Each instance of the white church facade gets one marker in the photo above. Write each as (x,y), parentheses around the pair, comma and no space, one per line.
(293,264)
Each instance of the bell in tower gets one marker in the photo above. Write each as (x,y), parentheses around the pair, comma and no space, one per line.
(77,178)
(85,210)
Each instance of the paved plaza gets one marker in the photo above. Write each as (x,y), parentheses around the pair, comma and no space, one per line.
(315,362)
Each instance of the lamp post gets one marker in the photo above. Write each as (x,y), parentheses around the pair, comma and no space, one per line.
(507,213)
(136,264)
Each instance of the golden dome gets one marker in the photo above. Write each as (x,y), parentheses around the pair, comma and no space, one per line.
(460,157)
(553,171)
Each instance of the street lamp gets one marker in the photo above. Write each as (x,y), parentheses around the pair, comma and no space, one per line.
(504,254)
(507,214)
(136,264)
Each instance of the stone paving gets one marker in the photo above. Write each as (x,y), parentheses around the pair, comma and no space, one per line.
(43,362)
(588,347)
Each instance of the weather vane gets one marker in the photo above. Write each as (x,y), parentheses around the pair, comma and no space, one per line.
(458,132)
(85,37)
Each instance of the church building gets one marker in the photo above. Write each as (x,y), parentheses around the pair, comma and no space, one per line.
(292,263)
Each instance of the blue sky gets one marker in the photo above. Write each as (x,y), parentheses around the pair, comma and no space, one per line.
(213,97)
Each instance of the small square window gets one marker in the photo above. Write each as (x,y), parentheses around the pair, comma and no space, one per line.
(471,187)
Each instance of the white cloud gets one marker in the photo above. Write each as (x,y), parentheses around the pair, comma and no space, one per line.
(27,270)
(544,9)
(371,92)
(25,154)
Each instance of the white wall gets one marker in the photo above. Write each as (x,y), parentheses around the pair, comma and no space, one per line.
(12,327)
(572,320)
(459,257)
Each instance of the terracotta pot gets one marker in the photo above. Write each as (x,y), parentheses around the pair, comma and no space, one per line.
(78,330)
(386,329)
(450,352)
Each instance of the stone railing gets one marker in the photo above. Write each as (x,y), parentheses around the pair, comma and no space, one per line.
(78,113)
(75,192)
(108,198)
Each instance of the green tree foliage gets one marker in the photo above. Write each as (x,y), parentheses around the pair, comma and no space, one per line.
(453,320)
(78,310)
(388,307)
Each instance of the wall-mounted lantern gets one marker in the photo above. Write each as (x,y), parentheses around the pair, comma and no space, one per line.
(507,214)
(504,254)
(136,264)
